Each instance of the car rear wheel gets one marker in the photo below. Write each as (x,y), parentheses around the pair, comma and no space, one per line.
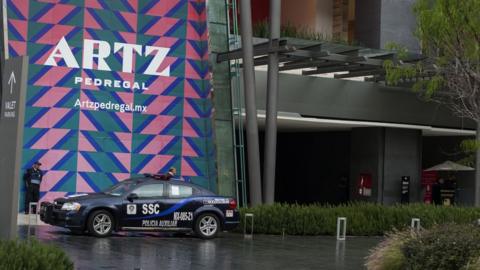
(207,226)
(100,223)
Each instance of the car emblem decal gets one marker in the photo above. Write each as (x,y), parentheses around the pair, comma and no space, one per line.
(131,209)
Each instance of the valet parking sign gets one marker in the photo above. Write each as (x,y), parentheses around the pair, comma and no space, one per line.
(9,99)
(11,90)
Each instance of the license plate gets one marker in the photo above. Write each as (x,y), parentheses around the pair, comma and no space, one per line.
(229,213)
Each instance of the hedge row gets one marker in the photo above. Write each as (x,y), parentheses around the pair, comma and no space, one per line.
(362,218)
(32,255)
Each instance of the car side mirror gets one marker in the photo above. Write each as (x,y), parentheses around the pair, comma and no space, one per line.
(132,196)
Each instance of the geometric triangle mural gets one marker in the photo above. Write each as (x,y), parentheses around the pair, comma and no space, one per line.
(115,89)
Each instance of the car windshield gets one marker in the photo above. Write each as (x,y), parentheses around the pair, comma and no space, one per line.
(120,188)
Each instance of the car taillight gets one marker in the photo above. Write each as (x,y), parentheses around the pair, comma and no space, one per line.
(232,204)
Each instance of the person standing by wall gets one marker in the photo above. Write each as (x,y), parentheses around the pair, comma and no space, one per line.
(436,191)
(32,177)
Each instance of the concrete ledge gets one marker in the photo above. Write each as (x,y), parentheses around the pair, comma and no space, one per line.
(23,219)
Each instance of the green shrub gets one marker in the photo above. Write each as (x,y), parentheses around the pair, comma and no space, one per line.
(362,218)
(388,254)
(474,264)
(443,247)
(32,255)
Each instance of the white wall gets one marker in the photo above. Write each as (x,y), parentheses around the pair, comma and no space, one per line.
(315,15)
(324,20)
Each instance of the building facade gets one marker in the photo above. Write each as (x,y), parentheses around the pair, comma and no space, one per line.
(115,89)
(121,88)
(340,137)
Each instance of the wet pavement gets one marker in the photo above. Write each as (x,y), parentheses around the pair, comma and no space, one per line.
(229,251)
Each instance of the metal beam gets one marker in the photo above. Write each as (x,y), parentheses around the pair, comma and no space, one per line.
(376,78)
(360,73)
(260,50)
(312,47)
(307,54)
(263,60)
(336,68)
(373,62)
(387,55)
(345,58)
(253,152)
(304,64)
(257,48)
(350,51)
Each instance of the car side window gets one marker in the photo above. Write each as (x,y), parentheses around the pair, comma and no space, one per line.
(149,190)
(179,191)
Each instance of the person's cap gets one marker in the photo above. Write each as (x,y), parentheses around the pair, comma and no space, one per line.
(37,163)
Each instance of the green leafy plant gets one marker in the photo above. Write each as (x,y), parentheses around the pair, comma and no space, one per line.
(261,30)
(32,255)
(388,254)
(449,74)
(474,264)
(449,246)
(443,247)
(362,218)
(469,148)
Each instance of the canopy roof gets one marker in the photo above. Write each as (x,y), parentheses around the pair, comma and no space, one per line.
(320,57)
(450,166)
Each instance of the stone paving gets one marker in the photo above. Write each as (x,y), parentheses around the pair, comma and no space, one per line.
(228,251)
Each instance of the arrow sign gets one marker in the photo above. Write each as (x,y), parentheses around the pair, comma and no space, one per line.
(12,81)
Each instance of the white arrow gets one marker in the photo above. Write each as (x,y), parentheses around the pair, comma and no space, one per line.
(12,81)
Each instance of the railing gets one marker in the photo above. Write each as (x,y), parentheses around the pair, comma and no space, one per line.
(237,104)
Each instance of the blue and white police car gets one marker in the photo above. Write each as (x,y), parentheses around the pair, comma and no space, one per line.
(144,204)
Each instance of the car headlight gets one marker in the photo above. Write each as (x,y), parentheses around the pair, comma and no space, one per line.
(71,206)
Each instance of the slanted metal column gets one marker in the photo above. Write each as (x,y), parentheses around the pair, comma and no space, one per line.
(253,152)
(272,98)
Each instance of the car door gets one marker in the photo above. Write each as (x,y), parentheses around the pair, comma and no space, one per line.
(143,210)
(180,205)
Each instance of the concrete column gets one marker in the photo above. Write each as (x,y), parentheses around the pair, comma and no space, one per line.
(403,156)
(367,150)
(379,22)
(387,154)
(253,152)
(272,100)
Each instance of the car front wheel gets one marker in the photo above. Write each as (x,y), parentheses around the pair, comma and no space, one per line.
(207,226)
(100,223)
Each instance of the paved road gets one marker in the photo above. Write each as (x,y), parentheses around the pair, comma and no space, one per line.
(230,251)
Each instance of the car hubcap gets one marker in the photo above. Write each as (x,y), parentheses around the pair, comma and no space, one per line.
(102,224)
(208,225)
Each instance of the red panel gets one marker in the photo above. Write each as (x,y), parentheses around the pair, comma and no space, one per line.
(260,10)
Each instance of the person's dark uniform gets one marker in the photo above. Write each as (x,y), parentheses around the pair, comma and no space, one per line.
(33,178)
(436,192)
(171,173)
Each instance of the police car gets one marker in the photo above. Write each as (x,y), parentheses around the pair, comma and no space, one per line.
(144,204)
